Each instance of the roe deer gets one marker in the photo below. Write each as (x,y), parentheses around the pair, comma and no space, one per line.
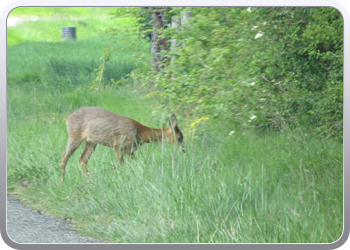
(99,126)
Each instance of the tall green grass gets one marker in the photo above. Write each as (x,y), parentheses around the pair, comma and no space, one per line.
(68,63)
(235,188)
(255,190)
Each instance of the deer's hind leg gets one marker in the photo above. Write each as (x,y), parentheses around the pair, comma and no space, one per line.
(89,149)
(73,144)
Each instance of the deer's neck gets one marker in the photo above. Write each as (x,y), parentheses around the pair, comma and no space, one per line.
(147,134)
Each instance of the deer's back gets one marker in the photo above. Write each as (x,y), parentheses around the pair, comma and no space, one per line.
(101,126)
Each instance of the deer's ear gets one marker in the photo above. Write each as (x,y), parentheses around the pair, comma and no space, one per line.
(173,121)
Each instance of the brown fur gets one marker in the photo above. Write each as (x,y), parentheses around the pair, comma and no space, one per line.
(99,126)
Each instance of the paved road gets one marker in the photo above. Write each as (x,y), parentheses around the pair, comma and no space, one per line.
(25,225)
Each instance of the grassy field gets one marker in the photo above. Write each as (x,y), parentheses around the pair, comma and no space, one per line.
(44,24)
(243,187)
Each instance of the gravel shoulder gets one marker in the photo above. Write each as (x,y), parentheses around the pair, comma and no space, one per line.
(25,225)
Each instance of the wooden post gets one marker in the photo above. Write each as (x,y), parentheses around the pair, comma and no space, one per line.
(158,24)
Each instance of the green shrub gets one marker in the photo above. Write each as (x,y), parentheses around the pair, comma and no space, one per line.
(280,67)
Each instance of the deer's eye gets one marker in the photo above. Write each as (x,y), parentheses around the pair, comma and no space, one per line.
(179,139)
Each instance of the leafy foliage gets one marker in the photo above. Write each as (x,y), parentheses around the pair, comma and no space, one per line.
(270,68)
(302,69)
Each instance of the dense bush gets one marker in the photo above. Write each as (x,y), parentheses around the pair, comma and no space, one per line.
(302,66)
(270,68)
